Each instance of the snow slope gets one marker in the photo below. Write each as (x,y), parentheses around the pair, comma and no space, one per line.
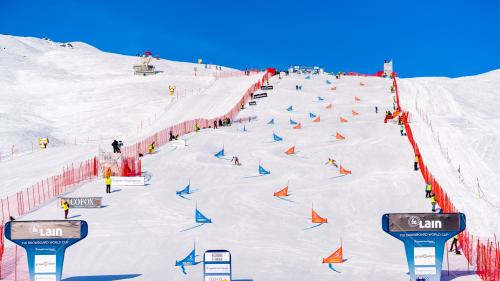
(83,98)
(457,125)
(142,231)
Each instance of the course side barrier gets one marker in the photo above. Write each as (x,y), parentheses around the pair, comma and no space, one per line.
(484,255)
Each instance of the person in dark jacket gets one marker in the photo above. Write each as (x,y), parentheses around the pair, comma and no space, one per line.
(171,136)
(116,146)
(220,123)
(215,124)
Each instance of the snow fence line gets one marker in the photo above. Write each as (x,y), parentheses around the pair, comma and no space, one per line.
(13,263)
(484,255)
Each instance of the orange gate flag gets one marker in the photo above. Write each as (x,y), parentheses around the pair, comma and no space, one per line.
(343,120)
(298,126)
(336,257)
(317,120)
(339,136)
(328,106)
(317,219)
(343,171)
(282,193)
(291,150)
(354,112)
(357,99)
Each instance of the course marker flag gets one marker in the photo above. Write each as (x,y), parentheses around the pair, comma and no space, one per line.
(201,218)
(343,120)
(276,137)
(312,115)
(343,171)
(220,153)
(317,120)
(328,106)
(320,99)
(188,260)
(292,122)
(290,108)
(317,219)
(357,99)
(298,126)
(184,191)
(354,113)
(271,122)
(333,88)
(336,257)
(328,82)
(282,193)
(290,151)
(263,171)
(339,136)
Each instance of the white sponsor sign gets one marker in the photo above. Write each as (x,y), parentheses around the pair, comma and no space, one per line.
(217,256)
(45,263)
(218,268)
(424,255)
(425,270)
(127,181)
(45,277)
(178,143)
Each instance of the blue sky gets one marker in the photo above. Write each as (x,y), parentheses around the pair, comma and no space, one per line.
(425,38)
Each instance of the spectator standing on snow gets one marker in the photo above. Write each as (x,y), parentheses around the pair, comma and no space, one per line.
(376,109)
(454,245)
(152,148)
(220,123)
(65,206)
(428,190)
(116,146)
(171,136)
(108,184)
(415,165)
(433,202)
(215,124)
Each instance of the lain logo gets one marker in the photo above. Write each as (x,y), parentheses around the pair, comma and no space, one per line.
(414,221)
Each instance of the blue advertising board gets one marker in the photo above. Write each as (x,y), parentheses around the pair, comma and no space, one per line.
(217,265)
(424,236)
(45,242)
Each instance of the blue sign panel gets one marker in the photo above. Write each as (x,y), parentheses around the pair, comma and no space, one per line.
(45,243)
(217,265)
(424,237)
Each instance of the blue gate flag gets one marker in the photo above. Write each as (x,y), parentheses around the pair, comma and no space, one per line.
(184,191)
(271,122)
(290,108)
(276,137)
(219,154)
(200,218)
(320,98)
(188,260)
(263,171)
(308,77)
(328,82)
(292,122)
(311,115)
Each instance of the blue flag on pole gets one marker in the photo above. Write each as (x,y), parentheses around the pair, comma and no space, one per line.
(320,99)
(188,260)
(184,191)
(200,218)
(293,122)
(263,171)
(219,154)
(311,115)
(328,82)
(270,122)
(308,77)
(290,108)
(276,137)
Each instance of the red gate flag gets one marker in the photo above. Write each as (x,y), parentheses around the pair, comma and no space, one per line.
(298,126)
(336,257)
(339,136)
(317,219)
(357,99)
(282,193)
(317,120)
(361,83)
(328,106)
(333,88)
(354,112)
(291,150)
(343,120)
(343,171)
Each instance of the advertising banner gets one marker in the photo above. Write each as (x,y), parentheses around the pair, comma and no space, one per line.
(217,265)
(127,181)
(45,243)
(261,95)
(266,87)
(252,103)
(81,202)
(424,236)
